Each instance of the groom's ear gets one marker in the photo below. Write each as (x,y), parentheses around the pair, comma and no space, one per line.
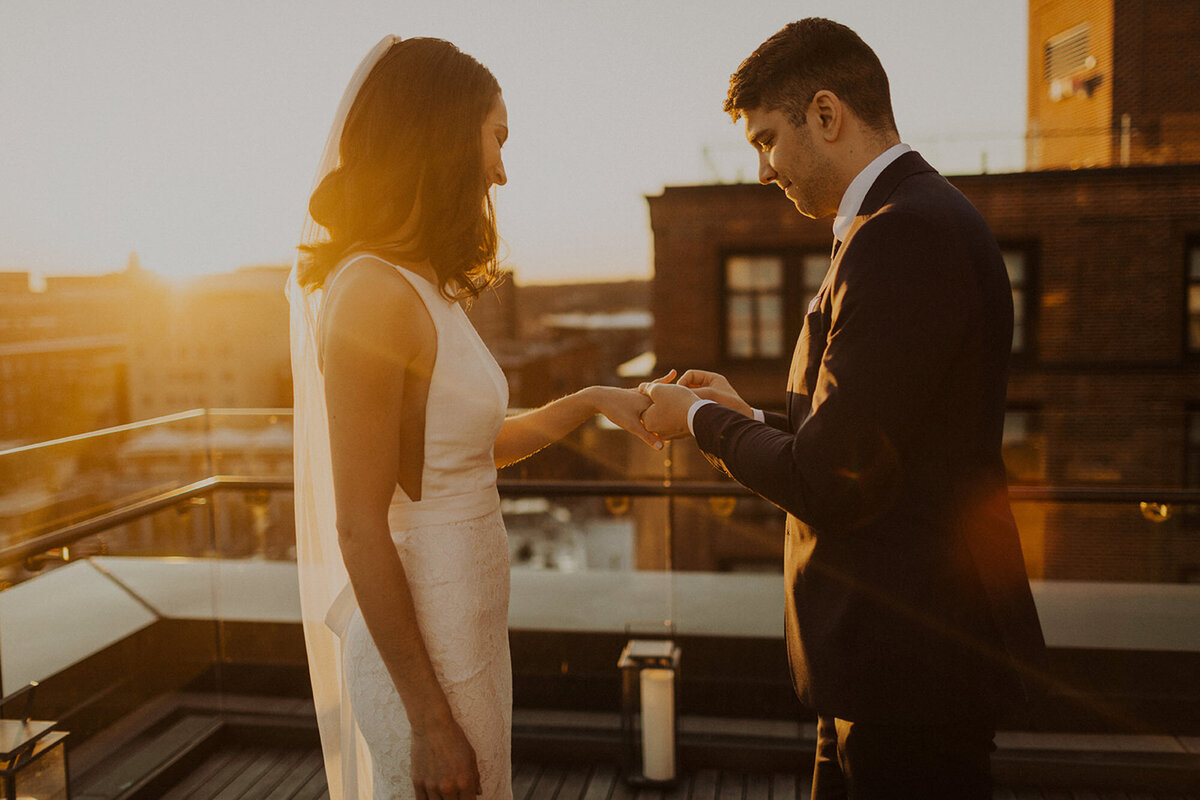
(828,112)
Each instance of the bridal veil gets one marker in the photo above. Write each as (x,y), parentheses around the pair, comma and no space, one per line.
(318,557)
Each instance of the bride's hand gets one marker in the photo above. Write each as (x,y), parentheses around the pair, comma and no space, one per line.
(644,387)
(624,408)
(443,764)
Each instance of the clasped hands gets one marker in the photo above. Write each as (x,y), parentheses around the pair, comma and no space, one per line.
(671,399)
(657,411)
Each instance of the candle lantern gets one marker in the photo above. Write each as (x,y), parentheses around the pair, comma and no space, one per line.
(649,716)
(33,756)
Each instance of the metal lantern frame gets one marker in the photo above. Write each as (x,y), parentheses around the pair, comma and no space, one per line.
(25,746)
(640,654)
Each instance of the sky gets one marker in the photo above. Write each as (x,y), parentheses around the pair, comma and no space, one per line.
(189,132)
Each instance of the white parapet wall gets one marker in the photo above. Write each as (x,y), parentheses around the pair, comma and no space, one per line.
(61,617)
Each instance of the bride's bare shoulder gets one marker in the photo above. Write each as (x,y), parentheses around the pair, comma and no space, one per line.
(370,300)
(369,280)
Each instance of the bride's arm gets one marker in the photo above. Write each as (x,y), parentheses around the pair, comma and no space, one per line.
(526,433)
(376,325)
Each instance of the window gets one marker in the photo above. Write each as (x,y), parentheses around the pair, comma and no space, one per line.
(1193,299)
(1191,478)
(754,307)
(1189,572)
(766,296)
(1016,261)
(1023,446)
(1065,53)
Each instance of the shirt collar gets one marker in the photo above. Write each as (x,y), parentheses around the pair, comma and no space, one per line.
(856,192)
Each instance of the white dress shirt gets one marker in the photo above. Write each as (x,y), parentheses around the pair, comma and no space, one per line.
(856,192)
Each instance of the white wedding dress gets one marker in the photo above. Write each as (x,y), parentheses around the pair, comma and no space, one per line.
(454,548)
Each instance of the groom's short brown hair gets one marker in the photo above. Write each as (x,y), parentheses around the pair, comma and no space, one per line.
(787,70)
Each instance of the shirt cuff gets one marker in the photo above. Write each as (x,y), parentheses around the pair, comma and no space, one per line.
(759,415)
(692,413)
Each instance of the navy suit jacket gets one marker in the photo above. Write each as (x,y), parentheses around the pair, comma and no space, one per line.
(907,596)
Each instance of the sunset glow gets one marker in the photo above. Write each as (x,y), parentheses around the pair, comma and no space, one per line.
(189,134)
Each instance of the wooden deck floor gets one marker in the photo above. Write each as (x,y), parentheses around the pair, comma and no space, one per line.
(268,772)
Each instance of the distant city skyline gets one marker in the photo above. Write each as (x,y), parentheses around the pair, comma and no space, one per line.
(189,133)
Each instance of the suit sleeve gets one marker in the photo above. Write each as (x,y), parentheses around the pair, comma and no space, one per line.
(777,421)
(900,301)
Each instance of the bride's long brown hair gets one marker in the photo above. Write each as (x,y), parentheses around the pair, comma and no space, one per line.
(411,144)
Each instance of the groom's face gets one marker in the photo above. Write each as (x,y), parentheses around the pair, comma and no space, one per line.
(789,157)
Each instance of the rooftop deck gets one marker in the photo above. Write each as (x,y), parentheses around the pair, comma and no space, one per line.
(162,619)
(239,763)
(201,745)
(280,773)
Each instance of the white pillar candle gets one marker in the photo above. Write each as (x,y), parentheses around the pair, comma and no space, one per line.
(658,724)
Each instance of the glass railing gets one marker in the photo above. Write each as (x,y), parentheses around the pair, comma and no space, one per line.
(180,530)
(48,486)
(599,500)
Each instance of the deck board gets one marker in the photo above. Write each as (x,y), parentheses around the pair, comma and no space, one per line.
(547,784)
(241,784)
(784,786)
(242,760)
(524,776)
(574,784)
(758,786)
(200,776)
(732,786)
(311,764)
(279,772)
(682,790)
(285,764)
(313,789)
(704,785)
(622,790)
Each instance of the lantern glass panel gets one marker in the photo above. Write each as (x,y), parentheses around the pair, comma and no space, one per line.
(44,777)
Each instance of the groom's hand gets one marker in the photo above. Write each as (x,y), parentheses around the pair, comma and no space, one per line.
(667,414)
(714,386)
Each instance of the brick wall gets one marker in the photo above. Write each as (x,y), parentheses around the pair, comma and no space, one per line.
(1072,129)
(1107,371)
(1147,66)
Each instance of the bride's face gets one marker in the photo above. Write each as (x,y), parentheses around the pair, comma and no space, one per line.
(494,134)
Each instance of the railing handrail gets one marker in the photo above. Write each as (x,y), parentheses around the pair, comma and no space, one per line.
(179,416)
(71,533)
(1086,494)
(143,507)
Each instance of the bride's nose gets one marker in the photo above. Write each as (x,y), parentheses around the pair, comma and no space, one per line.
(500,177)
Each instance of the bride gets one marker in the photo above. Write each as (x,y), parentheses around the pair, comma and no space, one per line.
(400,426)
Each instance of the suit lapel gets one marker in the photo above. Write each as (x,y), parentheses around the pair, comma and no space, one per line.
(810,347)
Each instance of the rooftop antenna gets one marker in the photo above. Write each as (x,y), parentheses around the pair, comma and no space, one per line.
(710,164)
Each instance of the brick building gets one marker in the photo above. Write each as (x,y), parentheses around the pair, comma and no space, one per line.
(63,356)
(553,339)
(1104,389)
(87,352)
(1105,268)
(1113,83)
(219,342)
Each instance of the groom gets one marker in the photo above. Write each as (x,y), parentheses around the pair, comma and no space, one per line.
(910,626)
